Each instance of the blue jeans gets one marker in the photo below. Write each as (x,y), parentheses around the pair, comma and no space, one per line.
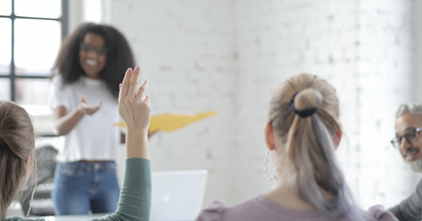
(80,187)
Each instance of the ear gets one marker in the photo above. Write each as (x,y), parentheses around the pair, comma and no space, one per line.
(28,163)
(27,174)
(269,136)
(337,137)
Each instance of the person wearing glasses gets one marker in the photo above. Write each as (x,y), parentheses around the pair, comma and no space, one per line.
(83,96)
(408,141)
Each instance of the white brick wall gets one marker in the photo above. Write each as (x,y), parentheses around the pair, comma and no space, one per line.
(227,56)
(186,51)
(388,61)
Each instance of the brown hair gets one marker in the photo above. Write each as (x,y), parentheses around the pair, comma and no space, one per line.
(119,56)
(307,153)
(17,143)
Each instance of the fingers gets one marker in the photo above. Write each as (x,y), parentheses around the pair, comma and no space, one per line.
(120,90)
(141,90)
(125,84)
(129,84)
(147,100)
(95,109)
(134,82)
(83,100)
(100,104)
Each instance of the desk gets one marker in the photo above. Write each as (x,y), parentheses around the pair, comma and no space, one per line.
(78,217)
(74,217)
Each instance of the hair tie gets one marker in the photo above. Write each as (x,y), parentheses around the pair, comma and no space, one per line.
(301,113)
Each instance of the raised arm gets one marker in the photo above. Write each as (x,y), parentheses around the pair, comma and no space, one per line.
(135,109)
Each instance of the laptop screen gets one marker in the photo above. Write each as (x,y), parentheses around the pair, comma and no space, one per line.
(177,195)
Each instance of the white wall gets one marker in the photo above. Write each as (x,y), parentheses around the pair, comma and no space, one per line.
(186,51)
(277,39)
(388,67)
(366,49)
(227,56)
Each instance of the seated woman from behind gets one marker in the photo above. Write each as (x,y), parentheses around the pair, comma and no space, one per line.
(302,133)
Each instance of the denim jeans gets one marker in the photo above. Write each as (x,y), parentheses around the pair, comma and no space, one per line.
(80,187)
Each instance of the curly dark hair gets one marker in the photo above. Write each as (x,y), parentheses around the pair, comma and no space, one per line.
(119,56)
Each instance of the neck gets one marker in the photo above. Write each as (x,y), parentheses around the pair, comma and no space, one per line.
(286,195)
(93,77)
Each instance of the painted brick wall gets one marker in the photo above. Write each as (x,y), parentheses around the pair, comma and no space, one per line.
(389,75)
(366,49)
(186,51)
(284,38)
(227,56)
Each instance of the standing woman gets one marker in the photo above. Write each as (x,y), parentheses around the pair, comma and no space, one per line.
(91,63)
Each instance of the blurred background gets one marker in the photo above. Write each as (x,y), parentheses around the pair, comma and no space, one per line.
(228,56)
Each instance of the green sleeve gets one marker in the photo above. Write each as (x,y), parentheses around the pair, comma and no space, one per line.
(135,196)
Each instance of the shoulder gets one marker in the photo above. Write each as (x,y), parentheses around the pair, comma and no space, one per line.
(59,82)
(57,79)
(218,211)
(379,213)
(212,212)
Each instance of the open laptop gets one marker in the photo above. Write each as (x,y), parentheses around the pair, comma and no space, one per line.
(177,195)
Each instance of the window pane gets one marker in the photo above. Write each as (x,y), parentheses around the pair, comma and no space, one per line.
(42,118)
(4,89)
(5,7)
(92,11)
(5,45)
(36,46)
(38,8)
(32,91)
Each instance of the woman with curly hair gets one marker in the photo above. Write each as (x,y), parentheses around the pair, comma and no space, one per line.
(90,65)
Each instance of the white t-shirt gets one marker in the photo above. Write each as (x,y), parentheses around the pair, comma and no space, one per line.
(94,137)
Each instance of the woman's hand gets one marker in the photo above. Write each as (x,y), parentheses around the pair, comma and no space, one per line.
(84,108)
(134,108)
(65,122)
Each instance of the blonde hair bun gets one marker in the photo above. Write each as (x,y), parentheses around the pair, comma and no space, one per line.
(307,99)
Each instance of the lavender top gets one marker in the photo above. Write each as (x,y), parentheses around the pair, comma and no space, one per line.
(262,209)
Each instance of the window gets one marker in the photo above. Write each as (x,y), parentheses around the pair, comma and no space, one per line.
(32,31)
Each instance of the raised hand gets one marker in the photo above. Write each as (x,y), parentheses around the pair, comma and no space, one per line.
(134,108)
(85,108)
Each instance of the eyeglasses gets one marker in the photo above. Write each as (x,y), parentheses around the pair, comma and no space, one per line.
(411,134)
(87,48)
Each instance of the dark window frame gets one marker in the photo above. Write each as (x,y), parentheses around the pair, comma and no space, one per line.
(64,19)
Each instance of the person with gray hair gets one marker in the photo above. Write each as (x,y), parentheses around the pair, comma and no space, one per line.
(302,132)
(408,126)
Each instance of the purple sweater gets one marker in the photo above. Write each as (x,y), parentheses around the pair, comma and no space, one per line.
(260,208)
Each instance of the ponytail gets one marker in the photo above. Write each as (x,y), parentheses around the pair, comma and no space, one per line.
(307,121)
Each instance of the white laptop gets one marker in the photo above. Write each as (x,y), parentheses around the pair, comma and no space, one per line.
(177,195)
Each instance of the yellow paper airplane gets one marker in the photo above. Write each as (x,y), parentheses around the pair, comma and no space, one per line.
(171,121)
